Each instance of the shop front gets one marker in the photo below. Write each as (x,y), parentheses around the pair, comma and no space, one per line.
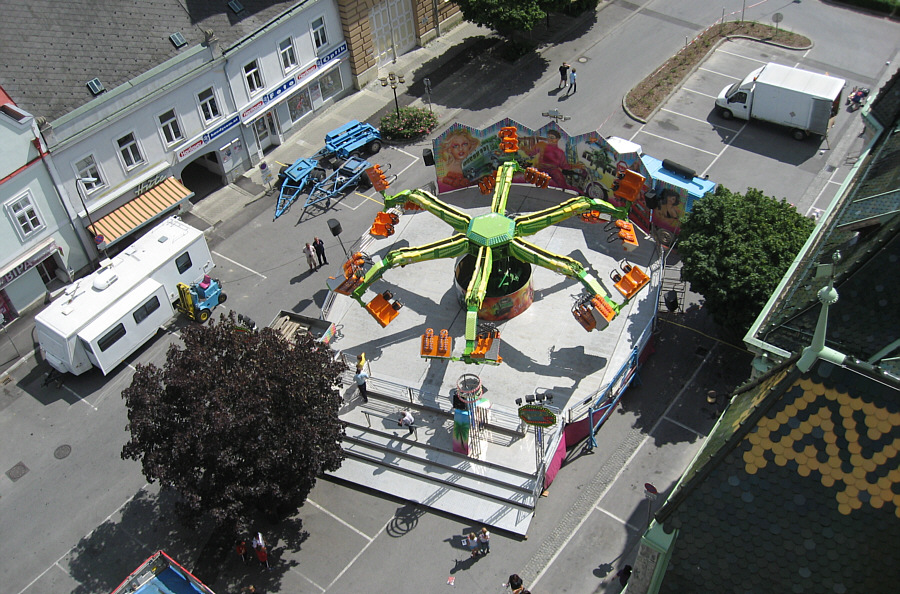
(27,280)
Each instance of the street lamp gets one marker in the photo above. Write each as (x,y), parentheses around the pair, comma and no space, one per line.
(393,79)
(79,186)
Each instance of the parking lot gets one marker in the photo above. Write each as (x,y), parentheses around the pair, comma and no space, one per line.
(689,130)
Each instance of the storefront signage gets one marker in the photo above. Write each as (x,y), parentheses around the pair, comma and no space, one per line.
(335,53)
(533,414)
(151,183)
(208,137)
(306,73)
(269,97)
(28,264)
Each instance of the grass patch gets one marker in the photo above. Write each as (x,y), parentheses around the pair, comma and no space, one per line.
(643,99)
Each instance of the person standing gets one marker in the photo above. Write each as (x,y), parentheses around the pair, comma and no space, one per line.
(572,77)
(319,246)
(472,541)
(241,548)
(310,256)
(407,420)
(361,378)
(563,75)
(484,541)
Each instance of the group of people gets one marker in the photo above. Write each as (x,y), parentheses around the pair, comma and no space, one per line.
(479,544)
(314,252)
(258,546)
(567,78)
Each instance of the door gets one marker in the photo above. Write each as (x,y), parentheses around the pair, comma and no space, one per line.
(266,132)
(393,30)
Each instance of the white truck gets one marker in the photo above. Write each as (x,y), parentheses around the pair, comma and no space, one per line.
(106,316)
(801,100)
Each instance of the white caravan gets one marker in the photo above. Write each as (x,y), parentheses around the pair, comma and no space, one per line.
(103,318)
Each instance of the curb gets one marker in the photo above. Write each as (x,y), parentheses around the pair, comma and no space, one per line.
(665,99)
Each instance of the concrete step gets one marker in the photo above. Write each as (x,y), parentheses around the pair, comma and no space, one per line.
(437,465)
(442,496)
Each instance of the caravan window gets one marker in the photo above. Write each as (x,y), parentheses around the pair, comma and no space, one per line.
(183,262)
(111,337)
(146,309)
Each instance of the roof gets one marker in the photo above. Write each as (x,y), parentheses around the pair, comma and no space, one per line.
(804,81)
(795,489)
(51,49)
(160,574)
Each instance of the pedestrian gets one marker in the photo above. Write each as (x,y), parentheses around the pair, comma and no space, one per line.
(263,556)
(407,420)
(484,541)
(572,85)
(361,378)
(310,256)
(249,589)
(563,75)
(624,574)
(319,246)
(472,542)
(257,541)
(241,548)
(514,582)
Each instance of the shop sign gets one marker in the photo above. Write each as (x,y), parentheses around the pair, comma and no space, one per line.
(269,97)
(534,414)
(28,264)
(151,183)
(335,53)
(306,73)
(208,137)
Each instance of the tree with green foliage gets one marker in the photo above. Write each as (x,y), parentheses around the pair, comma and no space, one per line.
(237,421)
(735,250)
(506,17)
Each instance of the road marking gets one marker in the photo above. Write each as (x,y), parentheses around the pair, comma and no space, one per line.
(307,579)
(708,96)
(686,116)
(727,53)
(678,143)
(618,519)
(353,528)
(262,276)
(717,73)
(722,152)
(685,427)
(78,396)
(812,206)
(624,466)
(363,550)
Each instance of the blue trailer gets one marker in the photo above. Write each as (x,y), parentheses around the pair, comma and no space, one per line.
(347,145)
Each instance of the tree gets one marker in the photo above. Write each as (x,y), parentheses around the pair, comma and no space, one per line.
(236,421)
(735,250)
(505,16)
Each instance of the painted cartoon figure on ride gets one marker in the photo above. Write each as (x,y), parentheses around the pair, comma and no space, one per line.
(454,149)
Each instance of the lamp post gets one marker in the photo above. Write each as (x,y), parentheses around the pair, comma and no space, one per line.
(79,186)
(393,79)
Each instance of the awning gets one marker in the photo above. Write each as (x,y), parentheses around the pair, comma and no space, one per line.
(29,260)
(136,213)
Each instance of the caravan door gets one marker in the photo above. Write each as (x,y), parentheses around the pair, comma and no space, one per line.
(128,324)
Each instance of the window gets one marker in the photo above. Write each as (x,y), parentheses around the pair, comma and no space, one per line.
(254,77)
(131,154)
(87,169)
(208,106)
(288,57)
(299,104)
(168,123)
(23,211)
(183,262)
(146,309)
(320,39)
(111,337)
(330,83)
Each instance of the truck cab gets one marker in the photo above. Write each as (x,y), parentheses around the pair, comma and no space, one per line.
(734,100)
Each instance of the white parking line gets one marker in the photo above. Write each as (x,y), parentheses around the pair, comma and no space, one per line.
(686,428)
(722,152)
(262,276)
(618,519)
(717,73)
(707,95)
(681,115)
(300,573)
(812,207)
(328,513)
(727,53)
(678,143)
(359,554)
(81,398)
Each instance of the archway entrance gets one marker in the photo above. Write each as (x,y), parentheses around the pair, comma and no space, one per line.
(203,176)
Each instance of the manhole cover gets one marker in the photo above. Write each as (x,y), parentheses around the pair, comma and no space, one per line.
(629,126)
(830,168)
(17,471)
(62,451)
(583,59)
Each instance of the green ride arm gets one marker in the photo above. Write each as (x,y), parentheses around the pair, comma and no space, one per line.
(475,293)
(502,187)
(532,223)
(450,215)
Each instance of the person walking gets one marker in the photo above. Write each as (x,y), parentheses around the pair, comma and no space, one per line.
(406,420)
(310,257)
(241,548)
(572,86)
(319,246)
(484,541)
(563,75)
(361,378)
(263,556)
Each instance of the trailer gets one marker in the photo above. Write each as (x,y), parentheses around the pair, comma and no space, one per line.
(288,324)
(343,152)
(105,317)
(801,100)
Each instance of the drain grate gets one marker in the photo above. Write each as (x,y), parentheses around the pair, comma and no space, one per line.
(6,380)
(62,451)
(830,168)
(17,471)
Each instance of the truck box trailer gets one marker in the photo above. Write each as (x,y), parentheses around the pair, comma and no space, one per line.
(801,100)
(106,316)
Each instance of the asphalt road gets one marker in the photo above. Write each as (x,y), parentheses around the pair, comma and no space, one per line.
(79,519)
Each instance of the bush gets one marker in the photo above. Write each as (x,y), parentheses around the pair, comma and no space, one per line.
(412,122)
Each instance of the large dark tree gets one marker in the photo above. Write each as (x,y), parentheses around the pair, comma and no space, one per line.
(735,250)
(236,421)
(506,16)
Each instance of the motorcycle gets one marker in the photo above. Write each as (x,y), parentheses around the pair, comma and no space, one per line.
(857,98)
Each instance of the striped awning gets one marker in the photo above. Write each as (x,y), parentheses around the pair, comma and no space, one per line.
(140,211)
